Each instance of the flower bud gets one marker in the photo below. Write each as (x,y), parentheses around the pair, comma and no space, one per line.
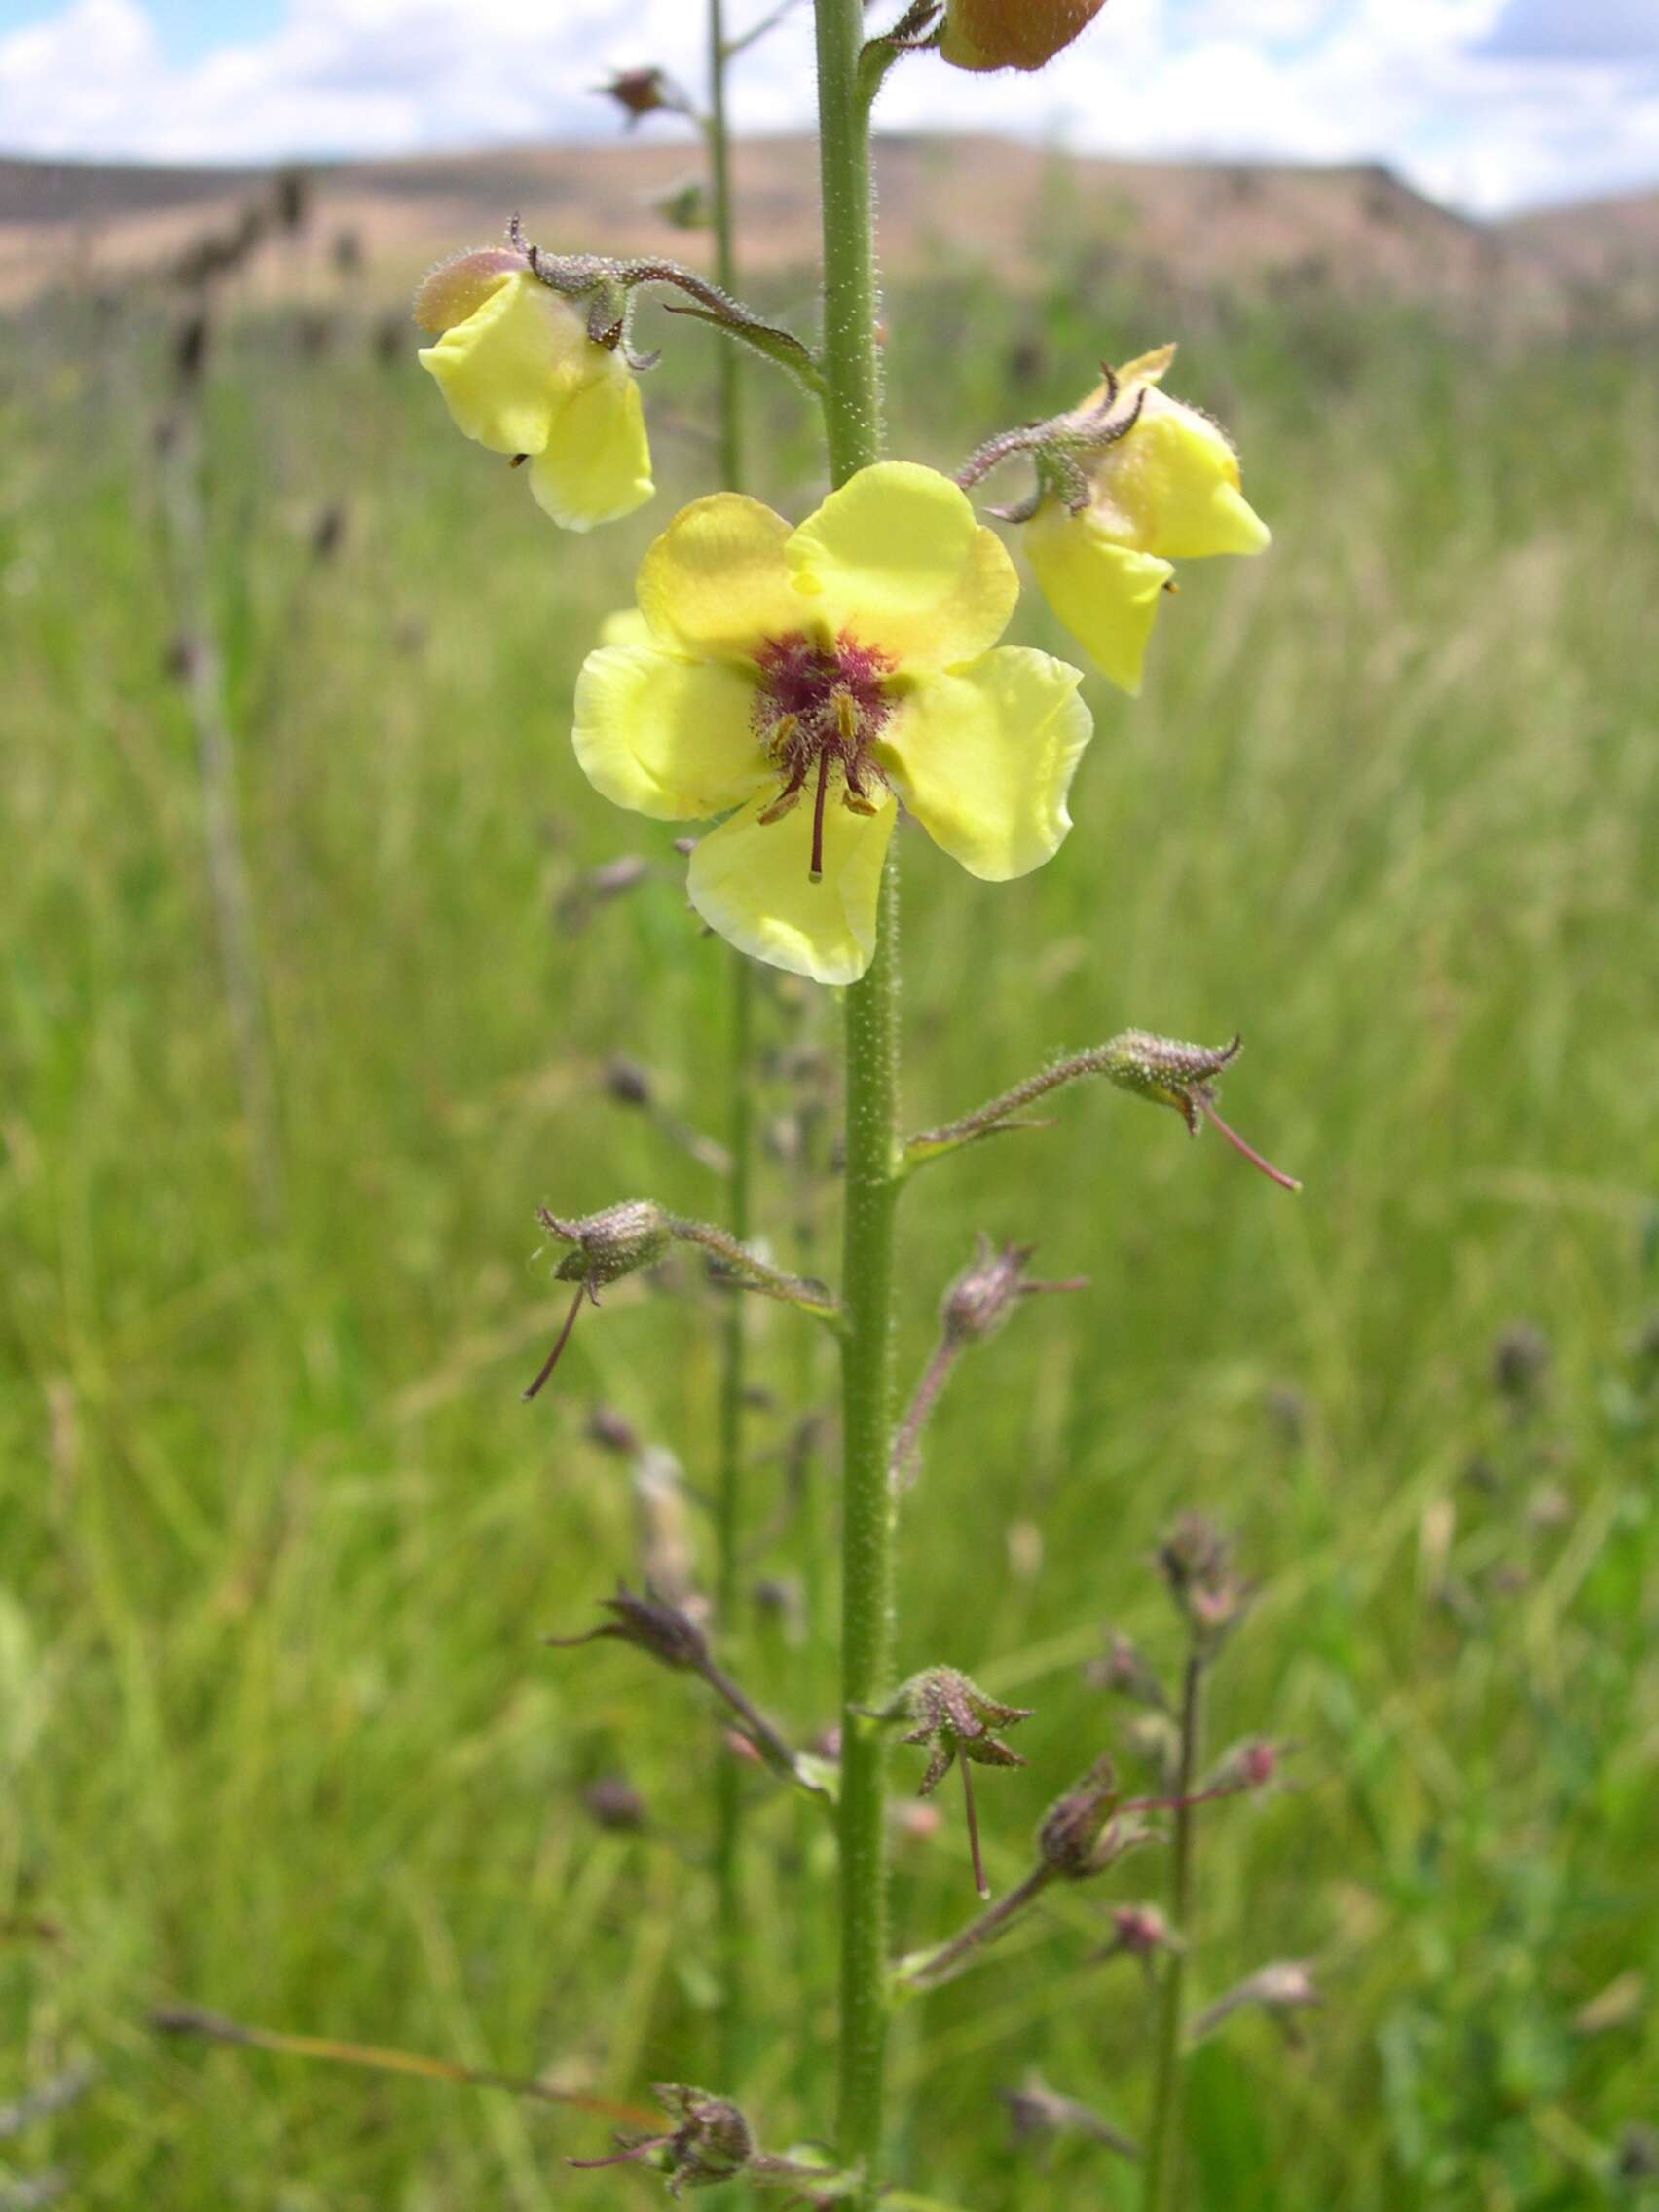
(1140,1930)
(459,287)
(626,1081)
(642,92)
(612,1432)
(1126,1671)
(1196,1562)
(609,1244)
(1519,1360)
(1075,1825)
(669,1634)
(1285,1987)
(686,206)
(710,2142)
(1011,34)
(1249,1764)
(613,1803)
(979,1301)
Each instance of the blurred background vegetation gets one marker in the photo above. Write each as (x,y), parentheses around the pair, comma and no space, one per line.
(321,958)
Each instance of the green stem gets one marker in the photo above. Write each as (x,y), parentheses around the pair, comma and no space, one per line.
(733,1918)
(725,248)
(853,427)
(1163,2148)
(729,1524)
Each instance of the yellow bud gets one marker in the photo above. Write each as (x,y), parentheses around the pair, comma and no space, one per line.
(458,288)
(1011,34)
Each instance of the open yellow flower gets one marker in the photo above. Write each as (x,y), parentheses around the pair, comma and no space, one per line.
(804,681)
(522,376)
(1166,490)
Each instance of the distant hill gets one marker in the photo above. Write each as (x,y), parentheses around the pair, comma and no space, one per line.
(944,200)
(1612,242)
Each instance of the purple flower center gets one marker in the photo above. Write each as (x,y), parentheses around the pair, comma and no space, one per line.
(818,712)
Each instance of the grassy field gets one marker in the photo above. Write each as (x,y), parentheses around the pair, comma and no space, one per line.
(277,1539)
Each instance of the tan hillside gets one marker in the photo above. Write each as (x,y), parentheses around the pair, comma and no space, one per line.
(1358,228)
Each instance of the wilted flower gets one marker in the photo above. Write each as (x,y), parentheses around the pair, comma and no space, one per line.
(954,1717)
(1173,1073)
(1196,1561)
(1284,1988)
(651,1623)
(1160,484)
(803,682)
(523,376)
(1011,34)
(710,2142)
(645,92)
(1073,1839)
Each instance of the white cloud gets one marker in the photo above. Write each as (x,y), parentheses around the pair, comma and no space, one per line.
(1469,97)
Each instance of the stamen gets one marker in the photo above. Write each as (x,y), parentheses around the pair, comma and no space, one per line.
(787,799)
(783,729)
(816,871)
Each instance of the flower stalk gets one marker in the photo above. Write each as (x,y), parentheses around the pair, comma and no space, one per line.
(733,1918)
(1162,2148)
(853,431)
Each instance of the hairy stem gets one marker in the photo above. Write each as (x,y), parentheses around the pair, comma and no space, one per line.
(749,1268)
(733,1918)
(1163,2148)
(853,429)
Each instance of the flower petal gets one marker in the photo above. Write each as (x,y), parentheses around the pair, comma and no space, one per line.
(595,465)
(1106,595)
(983,757)
(667,736)
(750,881)
(509,368)
(627,626)
(715,581)
(1170,487)
(897,557)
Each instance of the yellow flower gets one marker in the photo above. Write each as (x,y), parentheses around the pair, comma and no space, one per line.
(522,376)
(1011,34)
(809,680)
(1166,491)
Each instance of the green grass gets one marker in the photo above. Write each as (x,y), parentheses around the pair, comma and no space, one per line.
(277,1539)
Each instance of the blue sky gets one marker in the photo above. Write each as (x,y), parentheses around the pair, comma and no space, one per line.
(1491,104)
